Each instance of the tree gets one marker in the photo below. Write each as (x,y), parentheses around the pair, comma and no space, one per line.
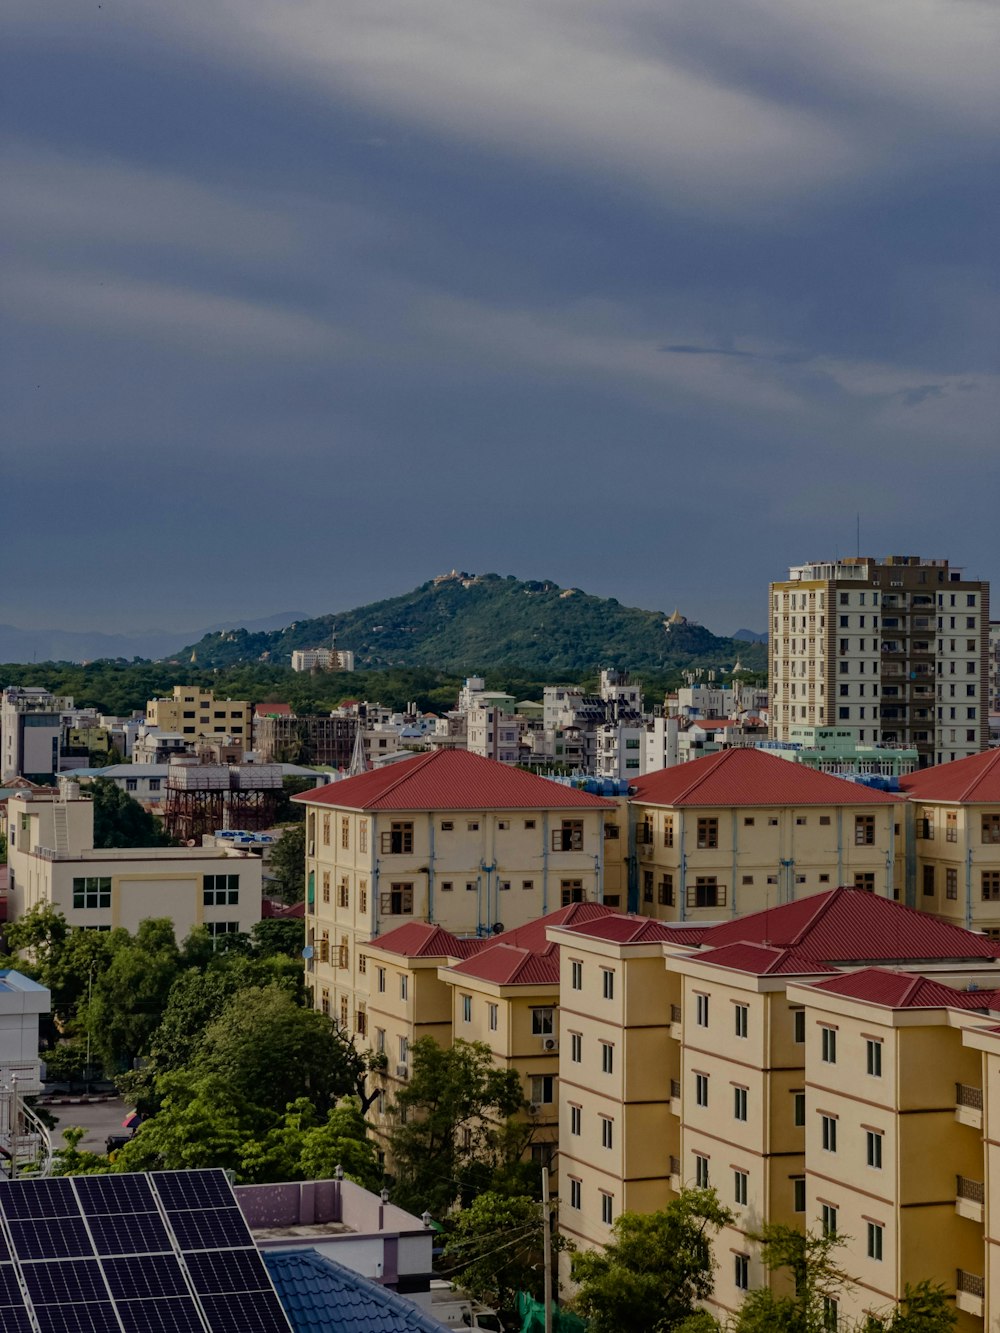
(128,998)
(287,863)
(69,1160)
(202,1123)
(306,1146)
(448,1121)
(924,1308)
(496,1246)
(816,1279)
(121,822)
(283,935)
(656,1269)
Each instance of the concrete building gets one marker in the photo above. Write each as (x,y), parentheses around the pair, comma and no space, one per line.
(280,736)
(446,838)
(896,650)
(194,713)
(493,732)
(993,670)
(322,659)
(739,830)
(32,722)
(52,862)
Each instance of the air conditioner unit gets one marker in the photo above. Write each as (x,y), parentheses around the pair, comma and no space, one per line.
(550,1044)
(402,1071)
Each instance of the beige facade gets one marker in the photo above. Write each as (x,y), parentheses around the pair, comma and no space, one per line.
(193,712)
(52,862)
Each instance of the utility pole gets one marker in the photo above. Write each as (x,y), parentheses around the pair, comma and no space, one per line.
(547,1248)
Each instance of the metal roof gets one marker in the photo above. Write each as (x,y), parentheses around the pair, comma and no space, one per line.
(321,1296)
(750,777)
(973,780)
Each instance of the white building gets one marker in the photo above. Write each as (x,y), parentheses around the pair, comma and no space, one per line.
(322,659)
(31,730)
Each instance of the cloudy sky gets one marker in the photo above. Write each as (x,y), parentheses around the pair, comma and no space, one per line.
(310,300)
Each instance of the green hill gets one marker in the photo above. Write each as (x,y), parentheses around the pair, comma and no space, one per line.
(463,623)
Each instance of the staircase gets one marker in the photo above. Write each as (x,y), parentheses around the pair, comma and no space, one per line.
(24,1140)
(60,829)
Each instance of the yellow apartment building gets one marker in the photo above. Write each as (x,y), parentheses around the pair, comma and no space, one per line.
(446,838)
(953,841)
(194,712)
(742,830)
(978,1289)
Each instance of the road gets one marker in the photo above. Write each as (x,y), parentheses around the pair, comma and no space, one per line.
(99,1119)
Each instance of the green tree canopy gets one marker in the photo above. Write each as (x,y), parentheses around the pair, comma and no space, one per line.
(121,822)
(656,1269)
(495,1247)
(130,994)
(287,863)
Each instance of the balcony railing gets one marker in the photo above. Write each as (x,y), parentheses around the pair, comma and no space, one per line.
(969,1096)
(973,1190)
(970,1283)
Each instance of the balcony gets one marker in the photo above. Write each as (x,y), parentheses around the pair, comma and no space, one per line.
(970,1195)
(970,1289)
(969,1105)
(676,1025)
(675,1097)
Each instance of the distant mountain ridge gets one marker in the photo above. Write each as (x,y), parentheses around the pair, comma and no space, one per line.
(750,636)
(60,645)
(460,623)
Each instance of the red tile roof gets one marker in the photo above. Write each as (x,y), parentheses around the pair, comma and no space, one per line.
(532,935)
(762,960)
(273,710)
(620,929)
(507,965)
(903,990)
(418,939)
(451,780)
(851,925)
(748,777)
(976,779)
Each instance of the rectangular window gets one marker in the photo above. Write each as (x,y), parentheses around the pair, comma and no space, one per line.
(741,1271)
(865,880)
(343,894)
(991,886)
(398,840)
(875,1234)
(701,1010)
(473,826)
(380,1040)
(701,1171)
(951,883)
(668,831)
(219,928)
(829,1132)
(799,1026)
(798,1194)
(326,886)
(739,1103)
(828,1048)
(607,1208)
(701,1089)
(363,897)
(94,891)
(665,894)
(741,1019)
(493,1012)
(991,828)
(612,832)
(218,890)
(398,901)
(828,1219)
(740,1179)
(607,1132)
(543,1089)
(706,892)
(380,980)
(873,1057)
(574,1193)
(541,1021)
(647,886)
(607,1058)
(798,1109)
(529,823)
(345,832)
(404,987)
(568,837)
(864,830)
(570,891)
(608,983)
(363,836)
(325,831)
(873,1148)
(927,879)
(575,1119)
(527,883)
(576,1047)
(576,974)
(708,833)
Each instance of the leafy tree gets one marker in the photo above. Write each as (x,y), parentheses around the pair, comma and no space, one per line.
(287,863)
(815,1279)
(129,996)
(279,935)
(305,1146)
(656,1269)
(121,822)
(924,1308)
(69,1160)
(39,932)
(203,1122)
(496,1246)
(3,849)
(449,1120)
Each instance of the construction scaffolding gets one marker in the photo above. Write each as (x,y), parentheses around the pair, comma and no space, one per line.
(202,798)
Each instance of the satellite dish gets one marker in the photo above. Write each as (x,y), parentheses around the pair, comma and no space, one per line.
(191,843)
(497,927)
(307,951)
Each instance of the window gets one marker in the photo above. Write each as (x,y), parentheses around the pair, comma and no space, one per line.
(875,1235)
(739,1103)
(925,824)
(541,1022)
(574,1193)
(927,880)
(951,883)
(94,891)
(701,1089)
(990,885)
(363,836)
(154,784)
(666,891)
(493,1015)
(799,1109)
(343,894)
(607,1058)
(363,896)
(404,1050)
(701,1010)
(543,1089)
(576,1047)
(798,1194)
(218,890)
(607,1132)
(799,1025)
(447,825)
(398,901)
(608,983)
(529,823)
(399,839)
(404,987)
(708,833)
(447,886)
(570,891)
(865,880)
(864,830)
(748,821)
(873,1148)
(568,837)
(380,980)
(741,1271)
(831,1314)
(219,928)
(345,832)
(503,825)
(576,974)
(527,883)
(607,1208)
(701,1171)
(471,886)
(706,892)
(828,1047)
(741,1019)
(991,828)
(324,1001)
(829,1133)
(325,831)
(740,1187)
(362,963)
(326,886)
(647,886)
(611,831)
(828,1219)
(473,826)
(575,1119)
(380,1039)
(668,831)
(873,1057)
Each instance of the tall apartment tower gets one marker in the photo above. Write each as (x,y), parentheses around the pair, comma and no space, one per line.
(894,651)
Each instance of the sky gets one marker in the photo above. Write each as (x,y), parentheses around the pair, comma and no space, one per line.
(307,301)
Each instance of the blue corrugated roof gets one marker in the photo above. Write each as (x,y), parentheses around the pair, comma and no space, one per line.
(320,1296)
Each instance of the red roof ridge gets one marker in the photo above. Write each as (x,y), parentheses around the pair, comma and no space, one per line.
(406,767)
(980,765)
(823,906)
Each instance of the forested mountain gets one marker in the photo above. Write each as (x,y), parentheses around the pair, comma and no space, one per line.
(462,623)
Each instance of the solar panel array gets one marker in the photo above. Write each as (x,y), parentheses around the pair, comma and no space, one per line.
(167,1252)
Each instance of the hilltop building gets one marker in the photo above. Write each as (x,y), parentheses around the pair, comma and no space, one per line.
(894,650)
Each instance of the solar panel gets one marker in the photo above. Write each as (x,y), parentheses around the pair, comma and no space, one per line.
(162,1253)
